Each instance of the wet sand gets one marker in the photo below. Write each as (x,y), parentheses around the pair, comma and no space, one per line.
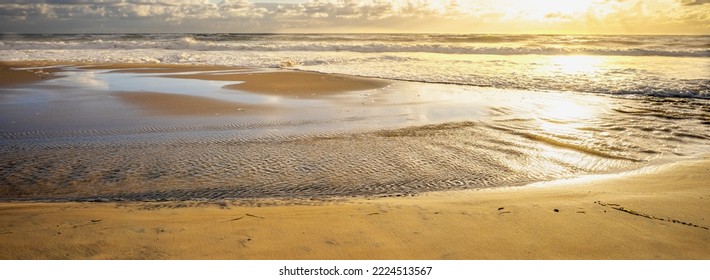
(294,84)
(281,83)
(286,187)
(657,213)
(10,76)
(284,83)
(173,104)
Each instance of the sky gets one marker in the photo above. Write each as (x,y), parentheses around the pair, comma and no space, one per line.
(400,16)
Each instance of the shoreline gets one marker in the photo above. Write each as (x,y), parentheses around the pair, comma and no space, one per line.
(655,213)
(292,83)
(13,77)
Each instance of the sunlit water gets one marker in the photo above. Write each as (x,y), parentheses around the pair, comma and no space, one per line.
(620,65)
(475,111)
(72,138)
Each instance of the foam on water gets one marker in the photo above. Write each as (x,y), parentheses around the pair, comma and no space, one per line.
(674,66)
(674,46)
(476,111)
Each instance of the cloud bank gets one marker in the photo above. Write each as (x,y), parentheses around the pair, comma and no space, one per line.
(475,16)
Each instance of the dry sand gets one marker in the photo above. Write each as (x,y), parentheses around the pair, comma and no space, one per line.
(657,213)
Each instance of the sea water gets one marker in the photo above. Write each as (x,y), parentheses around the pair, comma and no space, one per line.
(643,65)
(463,111)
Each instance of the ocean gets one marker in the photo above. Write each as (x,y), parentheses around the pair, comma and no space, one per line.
(606,64)
(463,112)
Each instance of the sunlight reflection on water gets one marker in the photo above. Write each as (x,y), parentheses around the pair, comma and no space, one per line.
(405,138)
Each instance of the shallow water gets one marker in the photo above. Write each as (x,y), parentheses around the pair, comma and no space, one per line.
(71,138)
(676,66)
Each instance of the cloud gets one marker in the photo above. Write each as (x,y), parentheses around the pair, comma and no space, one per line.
(694,2)
(76,16)
(352,9)
(128,9)
(340,15)
(558,16)
(178,9)
(97,16)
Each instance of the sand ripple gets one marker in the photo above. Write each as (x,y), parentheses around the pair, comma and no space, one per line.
(76,142)
(388,162)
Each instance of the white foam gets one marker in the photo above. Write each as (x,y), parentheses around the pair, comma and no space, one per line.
(494,45)
(662,66)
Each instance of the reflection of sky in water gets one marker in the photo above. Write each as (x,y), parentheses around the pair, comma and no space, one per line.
(149,83)
(85,79)
(136,82)
(563,124)
(22,96)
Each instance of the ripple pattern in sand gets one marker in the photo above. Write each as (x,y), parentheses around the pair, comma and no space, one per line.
(388,162)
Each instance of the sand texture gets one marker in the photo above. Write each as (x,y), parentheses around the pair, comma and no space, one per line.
(173,104)
(10,76)
(301,84)
(150,161)
(657,213)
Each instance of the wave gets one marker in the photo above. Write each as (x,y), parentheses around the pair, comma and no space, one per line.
(692,46)
(663,66)
(640,77)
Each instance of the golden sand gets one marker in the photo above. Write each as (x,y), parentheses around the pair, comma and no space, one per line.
(281,83)
(656,213)
(10,76)
(290,83)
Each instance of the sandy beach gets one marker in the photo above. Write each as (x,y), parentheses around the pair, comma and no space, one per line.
(254,164)
(12,76)
(657,213)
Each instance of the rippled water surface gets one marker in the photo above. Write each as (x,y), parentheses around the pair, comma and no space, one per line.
(74,138)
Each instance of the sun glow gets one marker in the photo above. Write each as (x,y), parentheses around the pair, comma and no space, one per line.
(567,111)
(565,65)
(562,120)
(576,64)
(563,115)
(550,9)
